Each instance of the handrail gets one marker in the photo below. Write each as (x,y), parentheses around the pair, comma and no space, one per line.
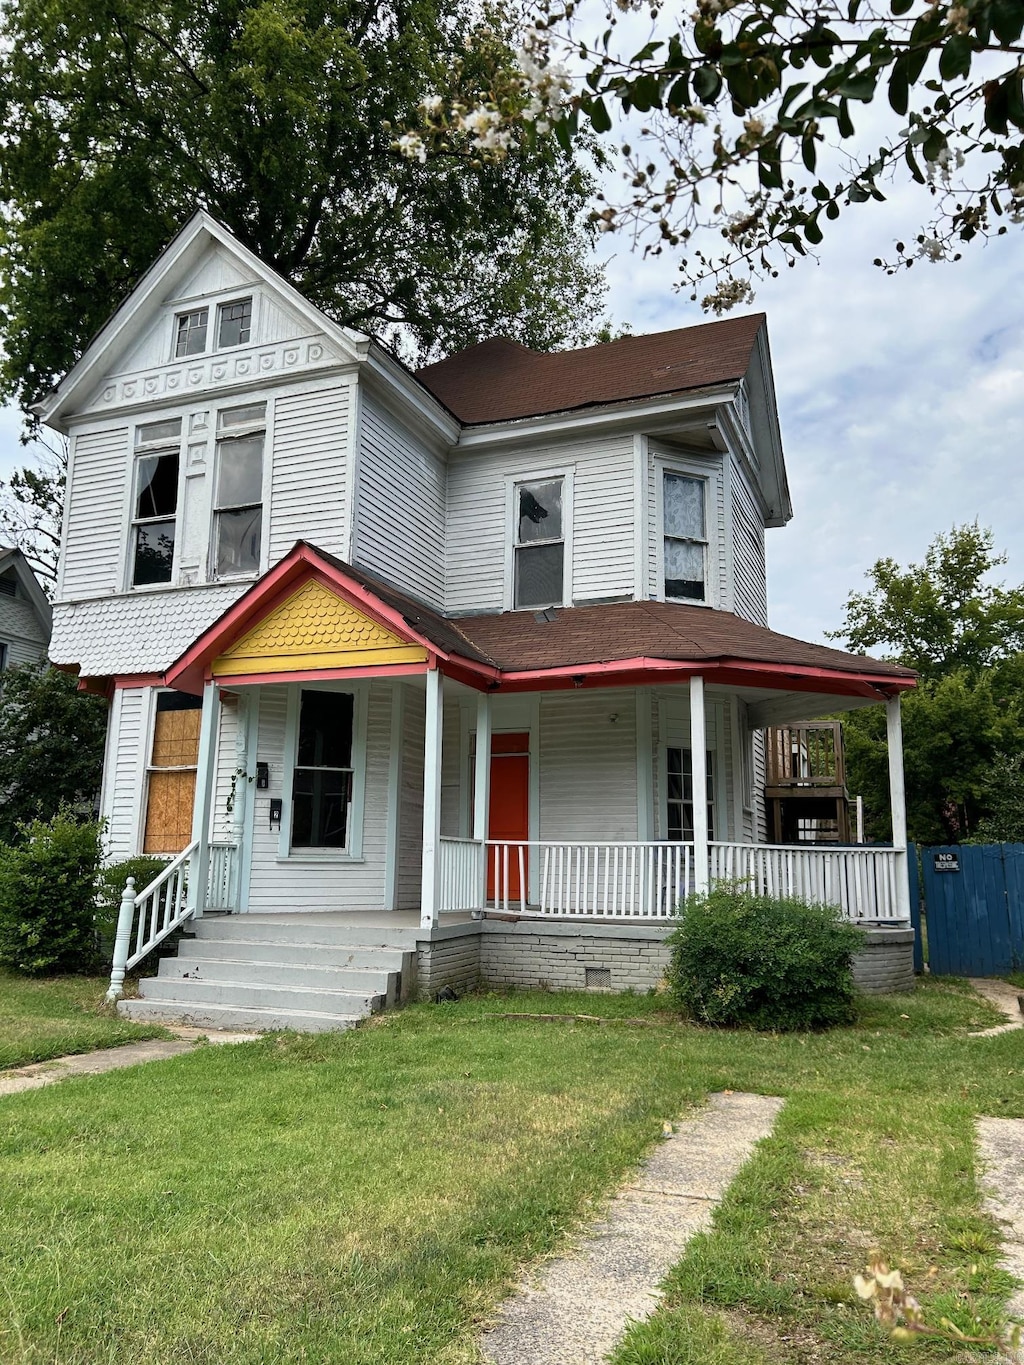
(158,915)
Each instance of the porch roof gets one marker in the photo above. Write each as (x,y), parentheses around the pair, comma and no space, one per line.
(614,643)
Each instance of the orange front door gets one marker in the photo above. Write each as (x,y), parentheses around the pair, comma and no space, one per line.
(509,819)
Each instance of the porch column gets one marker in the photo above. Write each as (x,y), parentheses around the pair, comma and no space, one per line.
(699,766)
(202,805)
(482,785)
(898,803)
(430,883)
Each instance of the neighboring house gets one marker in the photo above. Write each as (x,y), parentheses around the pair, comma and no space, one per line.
(24,612)
(380,642)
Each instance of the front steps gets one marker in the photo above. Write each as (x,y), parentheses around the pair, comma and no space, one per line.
(313,973)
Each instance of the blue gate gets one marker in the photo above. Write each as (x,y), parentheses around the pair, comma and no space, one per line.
(974,904)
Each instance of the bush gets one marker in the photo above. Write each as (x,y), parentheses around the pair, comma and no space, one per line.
(744,960)
(47,896)
(110,888)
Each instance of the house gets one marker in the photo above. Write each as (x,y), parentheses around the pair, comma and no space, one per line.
(24,612)
(407,670)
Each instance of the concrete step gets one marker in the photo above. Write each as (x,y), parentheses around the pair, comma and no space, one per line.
(247,1018)
(255,949)
(301,928)
(244,993)
(367,981)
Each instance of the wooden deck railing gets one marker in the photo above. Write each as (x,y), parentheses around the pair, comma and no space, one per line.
(808,755)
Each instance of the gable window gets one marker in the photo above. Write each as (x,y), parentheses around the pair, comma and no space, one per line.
(172,772)
(322,778)
(190,332)
(234,322)
(684,516)
(157,448)
(679,769)
(539,569)
(238,503)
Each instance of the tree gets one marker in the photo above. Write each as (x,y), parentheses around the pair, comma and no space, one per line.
(1003,796)
(965,636)
(741,120)
(51,746)
(31,509)
(277,117)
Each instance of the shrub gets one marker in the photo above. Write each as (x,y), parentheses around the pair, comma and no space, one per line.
(47,896)
(739,959)
(110,888)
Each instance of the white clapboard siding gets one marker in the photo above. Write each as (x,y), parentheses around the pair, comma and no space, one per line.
(479,530)
(96,494)
(309,499)
(748,553)
(283,884)
(760,776)
(223,819)
(124,779)
(672,706)
(410,814)
(451,771)
(399,530)
(588,766)
(21,651)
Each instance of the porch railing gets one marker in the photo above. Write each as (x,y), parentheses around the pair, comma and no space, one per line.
(146,917)
(460,870)
(862,881)
(595,880)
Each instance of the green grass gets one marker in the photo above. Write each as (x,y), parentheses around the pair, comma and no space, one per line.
(44,1017)
(368,1198)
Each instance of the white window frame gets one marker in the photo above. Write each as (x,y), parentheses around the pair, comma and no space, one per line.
(250,299)
(216,436)
(359,690)
(128,536)
(674,733)
(179,316)
(213,303)
(513,482)
(707,471)
(148,769)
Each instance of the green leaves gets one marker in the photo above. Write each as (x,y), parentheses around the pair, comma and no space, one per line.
(707,84)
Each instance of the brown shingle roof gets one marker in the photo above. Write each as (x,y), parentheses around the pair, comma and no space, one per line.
(500,380)
(519,641)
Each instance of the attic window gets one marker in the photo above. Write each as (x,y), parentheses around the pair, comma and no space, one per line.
(190,332)
(234,322)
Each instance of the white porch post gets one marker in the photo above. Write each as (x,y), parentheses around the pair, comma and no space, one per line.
(430,888)
(482,785)
(699,765)
(202,806)
(898,803)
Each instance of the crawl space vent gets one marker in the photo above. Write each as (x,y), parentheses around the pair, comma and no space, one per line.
(598,978)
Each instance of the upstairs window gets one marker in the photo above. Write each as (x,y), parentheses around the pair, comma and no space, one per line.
(238,504)
(234,322)
(539,569)
(190,332)
(679,828)
(157,450)
(685,536)
(322,779)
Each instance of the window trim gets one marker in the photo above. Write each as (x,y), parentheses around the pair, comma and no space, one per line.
(148,768)
(213,302)
(359,690)
(128,538)
(707,470)
(674,733)
(513,482)
(250,299)
(236,433)
(179,317)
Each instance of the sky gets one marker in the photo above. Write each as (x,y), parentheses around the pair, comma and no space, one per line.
(901,401)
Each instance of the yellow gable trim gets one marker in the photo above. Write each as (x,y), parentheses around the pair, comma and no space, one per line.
(315,628)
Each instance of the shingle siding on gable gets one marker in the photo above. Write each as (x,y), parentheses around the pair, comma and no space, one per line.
(400,532)
(96,494)
(309,480)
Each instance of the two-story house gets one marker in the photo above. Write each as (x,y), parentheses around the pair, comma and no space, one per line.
(469,665)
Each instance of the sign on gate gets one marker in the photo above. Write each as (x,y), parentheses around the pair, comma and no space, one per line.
(976,919)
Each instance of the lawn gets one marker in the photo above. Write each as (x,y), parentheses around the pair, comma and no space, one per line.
(44,1017)
(369,1197)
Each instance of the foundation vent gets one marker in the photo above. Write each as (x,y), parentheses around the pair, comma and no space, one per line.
(597,978)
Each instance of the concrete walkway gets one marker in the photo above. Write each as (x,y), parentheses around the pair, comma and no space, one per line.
(575,1310)
(1006,998)
(38,1074)
(1001,1148)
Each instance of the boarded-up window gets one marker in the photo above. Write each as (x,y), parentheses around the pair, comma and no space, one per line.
(172,773)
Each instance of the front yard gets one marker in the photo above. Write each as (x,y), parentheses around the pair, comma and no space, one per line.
(369,1197)
(49,1017)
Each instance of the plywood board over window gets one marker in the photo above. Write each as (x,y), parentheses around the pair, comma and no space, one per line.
(172,773)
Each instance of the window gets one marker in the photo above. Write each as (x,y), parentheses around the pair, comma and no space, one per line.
(3,656)
(157,448)
(322,779)
(234,322)
(190,332)
(238,504)
(684,525)
(539,545)
(172,773)
(679,827)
